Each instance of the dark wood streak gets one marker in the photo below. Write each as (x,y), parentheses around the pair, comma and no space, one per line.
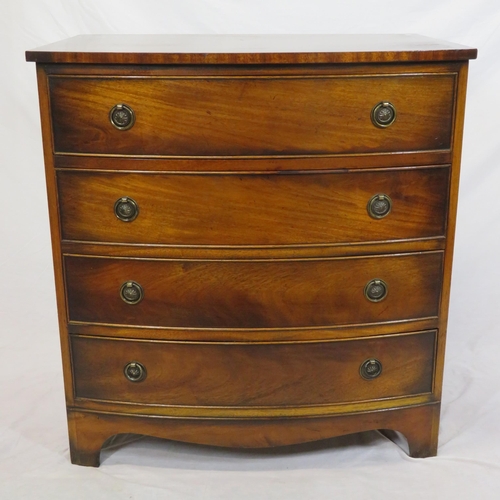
(234,374)
(253,294)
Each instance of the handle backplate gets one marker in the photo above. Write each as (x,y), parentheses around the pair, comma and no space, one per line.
(370,369)
(131,292)
(126,209)
(135,371)
(379,206)
(122,117)
(376,290)
(383,114)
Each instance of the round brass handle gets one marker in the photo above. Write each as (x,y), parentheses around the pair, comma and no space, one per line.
(379,206)
(122,116)
(134,371)
(126,209)
(370,369)
(383,114)
(131,292)
(376,290)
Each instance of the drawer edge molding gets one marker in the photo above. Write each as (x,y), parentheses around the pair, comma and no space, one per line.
(238,412)
(290,259)
(151,251)
(166,333)
(246,342)
(73,161)
(254,335)
(444,152)
(74,247)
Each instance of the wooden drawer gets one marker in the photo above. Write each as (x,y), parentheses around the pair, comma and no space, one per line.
(279,374)
(182,116)
(277,209)
(253,294)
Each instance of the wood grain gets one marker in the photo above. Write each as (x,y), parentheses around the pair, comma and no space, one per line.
(188,252)
(284,70)
(248,49)
(253,294)
(252,334)
(252,115)
(255,164)
(55,230)
(451,224)
(89,430)
(266,374)
(244,210)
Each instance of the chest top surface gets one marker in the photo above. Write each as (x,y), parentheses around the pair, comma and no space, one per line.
(249,49)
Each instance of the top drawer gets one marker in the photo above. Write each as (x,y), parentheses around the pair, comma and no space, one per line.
(251,115)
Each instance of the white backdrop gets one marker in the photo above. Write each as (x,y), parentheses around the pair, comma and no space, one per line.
(33,439)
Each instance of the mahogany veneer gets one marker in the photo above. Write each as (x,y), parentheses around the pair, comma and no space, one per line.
(252,235)
(309,209)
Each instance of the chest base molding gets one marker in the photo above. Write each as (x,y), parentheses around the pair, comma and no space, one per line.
(89,431)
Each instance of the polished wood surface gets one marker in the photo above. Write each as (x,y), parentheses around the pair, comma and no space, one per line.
(279,252)
(284,374)
(335,332)
(89,430)
(262,164)
(242,210)
(252,166)
(253,294)
(256,70)
(55,230)
(246,116)
(451,224)
(248,49)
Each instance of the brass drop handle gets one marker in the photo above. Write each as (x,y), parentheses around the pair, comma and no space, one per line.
(131,292)
(126,209)
(122,117)
(135,371)
(376,290)
(370,368)
(379,206)
(383,114)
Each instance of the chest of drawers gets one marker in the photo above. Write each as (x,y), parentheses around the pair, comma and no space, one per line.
(252,236)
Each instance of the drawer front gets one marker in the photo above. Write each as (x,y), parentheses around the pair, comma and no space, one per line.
(214,374)
(252,294)
(251,115)
(276,209)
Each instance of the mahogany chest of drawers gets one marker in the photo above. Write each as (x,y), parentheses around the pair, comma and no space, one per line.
(252,235)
